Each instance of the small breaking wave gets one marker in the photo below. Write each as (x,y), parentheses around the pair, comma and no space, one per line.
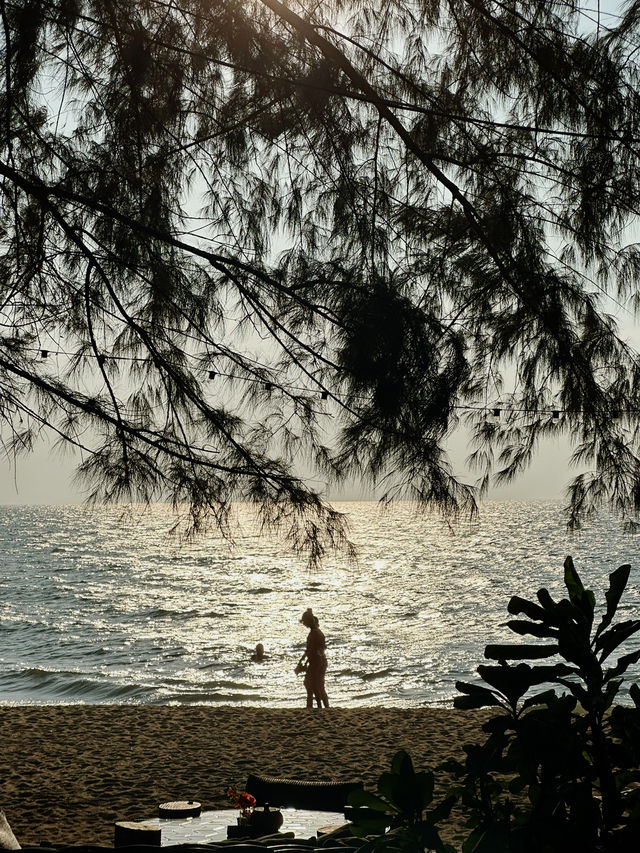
(41,685)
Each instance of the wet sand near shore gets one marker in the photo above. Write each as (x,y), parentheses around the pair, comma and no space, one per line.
(68,772)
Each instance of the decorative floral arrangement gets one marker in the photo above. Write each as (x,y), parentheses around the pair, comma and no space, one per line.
(241,800)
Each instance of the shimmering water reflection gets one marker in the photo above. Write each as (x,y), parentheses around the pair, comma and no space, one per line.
(99,608)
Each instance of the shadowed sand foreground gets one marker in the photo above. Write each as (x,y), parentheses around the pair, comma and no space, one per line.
(68,772)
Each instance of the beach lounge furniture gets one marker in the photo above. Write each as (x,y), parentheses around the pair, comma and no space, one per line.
(320,795)
(253,846)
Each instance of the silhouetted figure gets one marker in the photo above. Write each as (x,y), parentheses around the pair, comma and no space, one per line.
(258,656)
(316,661)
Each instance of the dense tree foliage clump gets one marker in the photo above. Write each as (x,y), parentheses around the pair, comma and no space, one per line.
(249,236)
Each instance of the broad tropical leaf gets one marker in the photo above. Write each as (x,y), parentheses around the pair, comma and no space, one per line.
(361,798)
(476,696)
(622,665)
(613,637)
(521,626)
(519,605)
(510,651)
(617,584)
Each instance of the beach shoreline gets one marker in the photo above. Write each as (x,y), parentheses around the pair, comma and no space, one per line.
(69,771)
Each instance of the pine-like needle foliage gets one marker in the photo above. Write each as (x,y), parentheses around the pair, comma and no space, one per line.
(265,239)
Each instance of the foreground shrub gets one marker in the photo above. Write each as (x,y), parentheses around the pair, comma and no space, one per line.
(397,818)
(559,769)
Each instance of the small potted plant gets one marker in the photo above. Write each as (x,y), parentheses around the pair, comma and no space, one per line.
(246,803)
(251,821)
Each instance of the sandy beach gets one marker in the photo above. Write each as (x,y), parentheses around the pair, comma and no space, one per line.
(68,772)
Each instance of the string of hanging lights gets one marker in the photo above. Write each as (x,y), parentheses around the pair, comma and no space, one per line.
(493,412)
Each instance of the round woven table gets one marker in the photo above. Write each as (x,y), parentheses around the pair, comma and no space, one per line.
(179,809)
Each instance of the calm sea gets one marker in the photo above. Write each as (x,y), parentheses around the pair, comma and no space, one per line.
(96,607)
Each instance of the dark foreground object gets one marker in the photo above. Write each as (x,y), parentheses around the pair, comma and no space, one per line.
(279,843)
(328,796)
(261,822)
(128,833)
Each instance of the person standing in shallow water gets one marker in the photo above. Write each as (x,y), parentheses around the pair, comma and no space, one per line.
(316,661)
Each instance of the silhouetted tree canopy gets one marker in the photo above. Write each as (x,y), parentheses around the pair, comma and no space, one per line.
(256,240)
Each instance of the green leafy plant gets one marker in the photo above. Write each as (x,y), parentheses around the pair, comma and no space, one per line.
(559,768)
(401,807)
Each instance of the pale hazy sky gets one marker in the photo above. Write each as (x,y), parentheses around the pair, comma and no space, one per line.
(45,478)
